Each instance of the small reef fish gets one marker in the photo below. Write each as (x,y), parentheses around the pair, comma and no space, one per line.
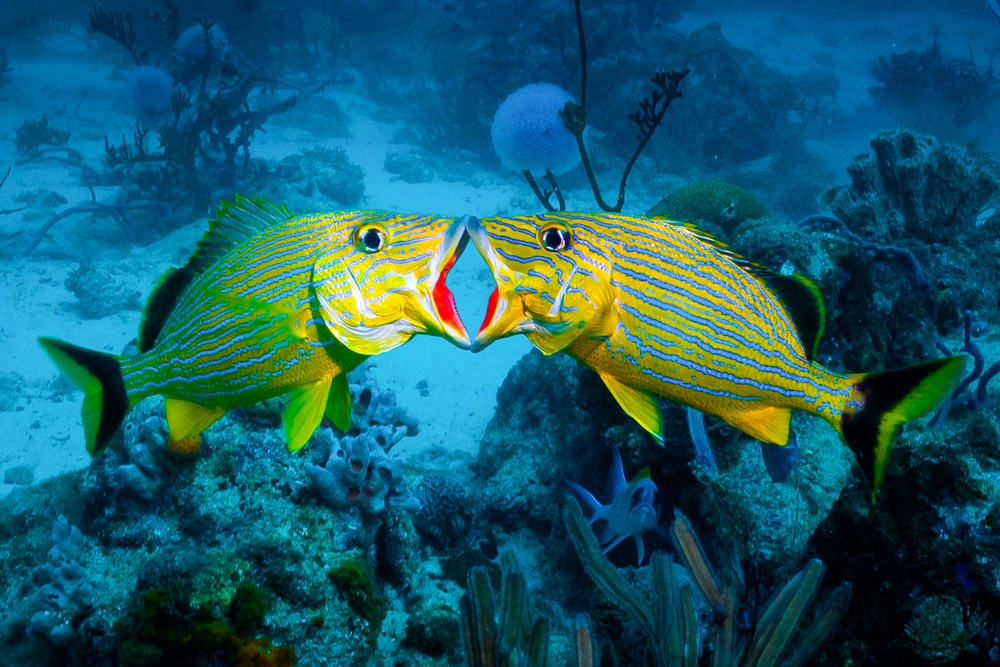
(657,308)
(633,510)
(273,304)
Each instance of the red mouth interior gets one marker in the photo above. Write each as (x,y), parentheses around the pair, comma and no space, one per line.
(444,300)
(491,308)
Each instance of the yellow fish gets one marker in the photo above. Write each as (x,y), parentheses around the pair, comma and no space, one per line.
(658,309)
(273,304)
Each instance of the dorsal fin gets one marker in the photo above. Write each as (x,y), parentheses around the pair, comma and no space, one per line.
(234,223)
(160,303)
(803,302)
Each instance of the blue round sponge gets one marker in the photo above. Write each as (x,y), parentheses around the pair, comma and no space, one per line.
(529,134)
(150,89)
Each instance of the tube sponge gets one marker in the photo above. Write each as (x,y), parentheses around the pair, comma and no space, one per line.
(150,89)
(529,134)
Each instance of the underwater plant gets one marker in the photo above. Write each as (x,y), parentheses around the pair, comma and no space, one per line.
(503,631)
(202,116)
(672,624)
(929,82)
(32,135)
(647,118)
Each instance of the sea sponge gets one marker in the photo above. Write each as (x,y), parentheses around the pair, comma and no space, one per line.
(193,44)
(150,90)
(528,133)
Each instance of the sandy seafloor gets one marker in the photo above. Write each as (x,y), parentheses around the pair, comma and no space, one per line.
(76,80)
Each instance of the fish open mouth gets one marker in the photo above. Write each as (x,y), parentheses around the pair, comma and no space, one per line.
(444,300)
(487,330)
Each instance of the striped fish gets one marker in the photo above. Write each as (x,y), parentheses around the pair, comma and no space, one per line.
(657,308)
(272,304)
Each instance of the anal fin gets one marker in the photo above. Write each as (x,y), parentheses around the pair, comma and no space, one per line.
(305,412)
(767,424)
(640,405)
(186,420)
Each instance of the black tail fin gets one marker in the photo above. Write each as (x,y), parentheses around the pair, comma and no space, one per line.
(890,399)
(99,375)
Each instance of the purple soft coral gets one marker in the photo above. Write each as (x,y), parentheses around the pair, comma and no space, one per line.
(633,511)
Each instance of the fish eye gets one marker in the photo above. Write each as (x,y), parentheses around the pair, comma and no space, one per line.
(555,238)
(370,239)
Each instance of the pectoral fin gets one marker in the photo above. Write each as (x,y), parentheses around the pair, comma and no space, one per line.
(639,405)
(767,424)
(186,420)
(338,403)
(304,412)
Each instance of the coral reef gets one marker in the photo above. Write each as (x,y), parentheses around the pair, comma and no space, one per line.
(228,557)
(64,593)
(99,293)
(913,206)
(913,187)
(317,179)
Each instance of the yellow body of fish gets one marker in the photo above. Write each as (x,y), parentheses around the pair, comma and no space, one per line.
(274,304)
(659,309)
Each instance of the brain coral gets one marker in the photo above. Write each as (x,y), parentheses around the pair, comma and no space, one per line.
(716,202)
(529,134)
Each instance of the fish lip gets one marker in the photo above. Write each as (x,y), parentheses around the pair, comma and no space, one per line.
(442,299)
(475,230)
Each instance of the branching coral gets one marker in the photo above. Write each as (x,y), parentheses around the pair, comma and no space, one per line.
(928,81)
